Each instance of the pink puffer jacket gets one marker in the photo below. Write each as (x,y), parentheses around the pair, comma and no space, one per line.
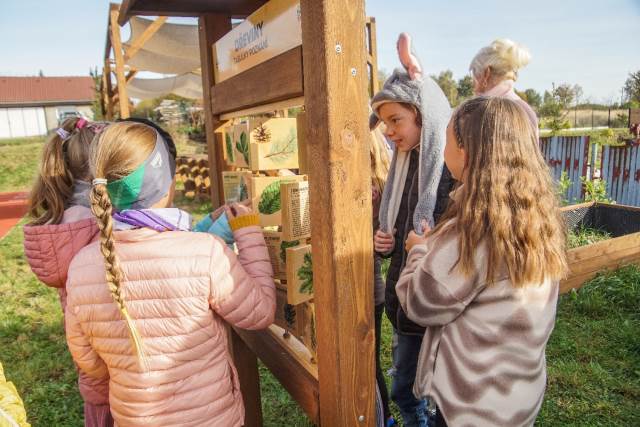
(49,250)
(179,288)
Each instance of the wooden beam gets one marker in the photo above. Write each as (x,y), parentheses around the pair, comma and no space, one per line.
(130,75)
(108,89)
(249,378)
(210,29)
(265,108)
(117,53)
(137,44)
(235,8)
(277,79)
(335,91)
(288,361)
(373,54)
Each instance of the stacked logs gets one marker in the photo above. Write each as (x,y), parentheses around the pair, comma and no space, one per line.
(193,173)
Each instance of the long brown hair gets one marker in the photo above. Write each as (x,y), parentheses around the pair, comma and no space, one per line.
(506,199)
(120,149)
(379,159)
(63,161)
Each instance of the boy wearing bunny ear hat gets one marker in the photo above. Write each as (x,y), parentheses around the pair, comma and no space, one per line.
(415,112)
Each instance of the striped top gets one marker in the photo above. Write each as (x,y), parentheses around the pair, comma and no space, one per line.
(483,354)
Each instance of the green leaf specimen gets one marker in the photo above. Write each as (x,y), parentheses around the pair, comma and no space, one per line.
(270,199)
(283,248)
(229,145)
(243,147)
(305,274)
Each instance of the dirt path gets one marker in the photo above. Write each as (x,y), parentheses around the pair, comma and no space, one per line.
(13,206)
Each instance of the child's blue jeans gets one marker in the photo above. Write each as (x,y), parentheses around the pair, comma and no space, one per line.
(405,361)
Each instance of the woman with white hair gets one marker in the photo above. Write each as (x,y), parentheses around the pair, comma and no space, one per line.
(495,70)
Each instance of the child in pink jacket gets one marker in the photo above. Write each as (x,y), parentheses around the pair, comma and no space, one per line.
(62,225)
(148,303)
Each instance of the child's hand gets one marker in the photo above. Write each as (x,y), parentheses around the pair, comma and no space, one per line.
(216,214)
(415,239)
(384,242)
(236,209)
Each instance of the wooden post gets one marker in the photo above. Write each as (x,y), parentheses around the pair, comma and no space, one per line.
(211,28)
(108,91)
(373,54)
(335,90)
(246,364)
(123,98)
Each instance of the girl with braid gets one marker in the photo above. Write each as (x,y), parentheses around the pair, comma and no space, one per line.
(484,282)
(148,302)
(62,224)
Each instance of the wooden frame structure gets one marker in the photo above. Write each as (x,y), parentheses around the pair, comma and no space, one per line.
(328,74)
(118,65)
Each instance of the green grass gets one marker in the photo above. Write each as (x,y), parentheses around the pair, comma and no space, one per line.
(19,160)
(593,357)
(32,343)
(585,236)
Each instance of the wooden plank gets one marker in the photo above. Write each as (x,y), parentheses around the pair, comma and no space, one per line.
(139,42)
(277,79)
(303,151)
(130,75)
(335,87)
(600,255)
(246,364)
(576,281)
(106,74)
(373,54)
(210,29)
(117,53)
(235,8)
(289,361)
(264,108)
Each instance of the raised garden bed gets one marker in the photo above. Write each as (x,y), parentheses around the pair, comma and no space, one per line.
(593,222)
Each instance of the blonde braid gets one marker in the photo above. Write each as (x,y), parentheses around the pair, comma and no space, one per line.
(102,209)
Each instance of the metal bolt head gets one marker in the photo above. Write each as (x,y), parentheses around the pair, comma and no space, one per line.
(361,418)
(354,72)
(338,48)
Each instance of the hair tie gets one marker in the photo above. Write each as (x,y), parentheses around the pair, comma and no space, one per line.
(63,134)
(81,123)
(98,181)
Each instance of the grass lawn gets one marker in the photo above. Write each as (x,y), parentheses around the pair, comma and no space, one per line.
(593,356)
(19,162)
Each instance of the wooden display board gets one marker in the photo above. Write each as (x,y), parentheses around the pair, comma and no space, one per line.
(329,371)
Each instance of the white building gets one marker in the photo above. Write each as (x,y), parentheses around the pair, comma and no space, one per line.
(31,106)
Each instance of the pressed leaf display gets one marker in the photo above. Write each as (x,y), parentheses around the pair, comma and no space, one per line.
(228,139)
(299,274)
(270,199)
(305,274)
(242,145)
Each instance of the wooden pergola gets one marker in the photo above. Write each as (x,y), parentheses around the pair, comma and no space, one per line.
(328,75)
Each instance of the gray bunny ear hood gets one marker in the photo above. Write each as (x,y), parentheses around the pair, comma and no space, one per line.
(410,85)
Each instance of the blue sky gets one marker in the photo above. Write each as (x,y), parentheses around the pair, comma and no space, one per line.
(591,43)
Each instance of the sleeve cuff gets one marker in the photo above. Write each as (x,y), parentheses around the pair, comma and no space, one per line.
(244,221)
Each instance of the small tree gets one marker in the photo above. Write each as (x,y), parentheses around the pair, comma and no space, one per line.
(465,88)
(556,104)
(534,99)
(632,87)
(96,105)
(448,85)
